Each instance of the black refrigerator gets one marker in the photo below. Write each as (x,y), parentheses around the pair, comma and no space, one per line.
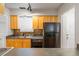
(51,35)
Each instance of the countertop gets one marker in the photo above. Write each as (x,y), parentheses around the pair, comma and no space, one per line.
(31,37)
(43,52)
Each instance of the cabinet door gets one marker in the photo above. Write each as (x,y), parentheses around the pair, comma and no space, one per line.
(20,43)
(49,18)
(9,43)
(46,18)
(2,8)
(27,43)
(54,19)
(17,43)
(35,22)
(13,22)
(58,21)
(41,18)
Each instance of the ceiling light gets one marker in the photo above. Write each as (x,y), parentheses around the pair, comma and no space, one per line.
(29,7)
(22,7)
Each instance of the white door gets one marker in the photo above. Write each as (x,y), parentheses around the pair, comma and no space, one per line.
(68,29)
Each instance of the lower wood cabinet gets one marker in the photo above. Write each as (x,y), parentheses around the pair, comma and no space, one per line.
(18,43)
(26,43)
(9,43)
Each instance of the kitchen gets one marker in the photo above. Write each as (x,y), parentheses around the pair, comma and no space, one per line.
(28,30)
(37,25)
(27,37)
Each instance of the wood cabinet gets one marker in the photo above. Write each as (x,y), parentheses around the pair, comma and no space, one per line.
(9,43)
(35,22)
(18,43)
(39,20)
(14,22)
(27,43)
(54,19)
(47,18)
(2,8)
(50,18)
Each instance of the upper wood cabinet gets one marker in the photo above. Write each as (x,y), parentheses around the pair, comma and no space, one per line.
(14,22)
(51,19)
(54,19)
(47,18)
(35,22)
(39,20)
(2,8)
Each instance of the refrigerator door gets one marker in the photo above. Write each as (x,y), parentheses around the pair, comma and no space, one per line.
(51,35)
(51,27)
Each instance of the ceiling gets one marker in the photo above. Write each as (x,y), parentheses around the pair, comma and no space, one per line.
(35,6)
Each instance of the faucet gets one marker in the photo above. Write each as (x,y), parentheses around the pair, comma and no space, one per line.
(24,35)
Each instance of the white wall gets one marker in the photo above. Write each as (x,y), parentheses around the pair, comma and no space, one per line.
(7,14)
(5,29)
(77,23)
(36,12)
(64,8)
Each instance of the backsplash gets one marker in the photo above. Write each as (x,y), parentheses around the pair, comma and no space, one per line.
(37,32)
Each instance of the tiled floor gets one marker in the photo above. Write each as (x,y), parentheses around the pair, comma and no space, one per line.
(3,50)
(43,52)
